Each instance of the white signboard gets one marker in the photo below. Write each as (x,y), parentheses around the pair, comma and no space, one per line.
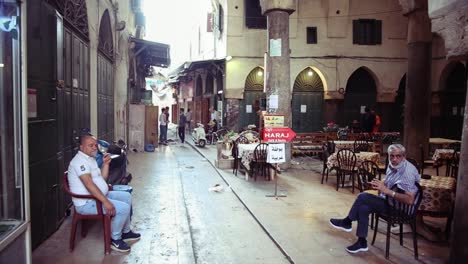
(303,108)
(363,109)
(75,83)
(273,103)
(275,47)
(248,108)
(276,153)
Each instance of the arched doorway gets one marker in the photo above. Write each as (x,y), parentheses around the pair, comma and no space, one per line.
(398,109)
(452,101)
(307,102)
(361,91)
(254,99)
(105,80)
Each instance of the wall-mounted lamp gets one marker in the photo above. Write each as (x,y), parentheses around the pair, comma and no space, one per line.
(310,73)
(260,73)
(228,58)
(2,65)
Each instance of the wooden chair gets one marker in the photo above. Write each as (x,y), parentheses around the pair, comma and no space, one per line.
(453,166)
(427,162)
(360,145)
(235,152)
(399,213)
(368,171)
(415,163)
(106,219)
(346,166)
(259,165)
(325,155)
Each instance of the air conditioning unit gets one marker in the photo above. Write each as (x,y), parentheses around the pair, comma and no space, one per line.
(136,5)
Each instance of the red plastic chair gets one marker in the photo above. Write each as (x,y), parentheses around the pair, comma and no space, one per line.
(106,219)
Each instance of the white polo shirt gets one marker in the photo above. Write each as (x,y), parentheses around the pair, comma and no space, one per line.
(83,164)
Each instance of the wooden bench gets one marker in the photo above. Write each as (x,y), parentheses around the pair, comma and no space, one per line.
(308,143)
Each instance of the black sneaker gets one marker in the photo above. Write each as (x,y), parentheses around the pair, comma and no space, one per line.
(341,225)
(358,246)
(119,245)
(130,236)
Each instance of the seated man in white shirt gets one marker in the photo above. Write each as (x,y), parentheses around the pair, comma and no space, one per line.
(85,177)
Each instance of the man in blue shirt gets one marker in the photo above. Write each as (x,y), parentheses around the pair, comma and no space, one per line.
(400,172)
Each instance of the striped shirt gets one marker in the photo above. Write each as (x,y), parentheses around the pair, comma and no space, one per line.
(404,177)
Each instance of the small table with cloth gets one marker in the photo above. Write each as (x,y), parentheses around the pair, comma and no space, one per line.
(438,199)
(348,144)
(360,157)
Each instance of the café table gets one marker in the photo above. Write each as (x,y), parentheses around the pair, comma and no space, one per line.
(349,144)
(360,157)
(436,143)
(438,200)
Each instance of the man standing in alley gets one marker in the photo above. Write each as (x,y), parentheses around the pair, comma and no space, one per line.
(85,178)
(182,123)
(188,116)
(215,115)
(163,127)
(401,173)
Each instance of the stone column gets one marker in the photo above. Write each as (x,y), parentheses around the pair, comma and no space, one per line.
(418,86)
(277,68)
(449,21)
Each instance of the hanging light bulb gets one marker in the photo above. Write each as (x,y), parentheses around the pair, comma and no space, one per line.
(310,73)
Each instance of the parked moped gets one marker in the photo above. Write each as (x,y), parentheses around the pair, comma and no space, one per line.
(199,136)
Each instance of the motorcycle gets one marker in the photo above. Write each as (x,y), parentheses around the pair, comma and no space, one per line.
(118,174)
(199,136)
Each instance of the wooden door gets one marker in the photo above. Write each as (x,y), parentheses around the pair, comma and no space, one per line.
(249,107)
(151,125)
(307,112)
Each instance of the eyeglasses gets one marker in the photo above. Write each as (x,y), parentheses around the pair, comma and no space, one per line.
(396,156)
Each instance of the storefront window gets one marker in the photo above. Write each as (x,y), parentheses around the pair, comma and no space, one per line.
(11,181)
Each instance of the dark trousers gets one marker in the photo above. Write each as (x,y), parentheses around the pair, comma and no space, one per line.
(363,206)
(162,133)
(181,133)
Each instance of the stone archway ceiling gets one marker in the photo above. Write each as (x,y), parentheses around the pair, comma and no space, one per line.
(254,81)
(106,45)
(74,13)
(306,83)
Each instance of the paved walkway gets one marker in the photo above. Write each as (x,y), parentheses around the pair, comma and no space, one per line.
(182,222)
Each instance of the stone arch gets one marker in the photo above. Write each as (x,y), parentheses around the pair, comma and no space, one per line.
(254,80)
(361,91)
(254,98)
(106,40)
(307,101)
(199,86)
(448,110)
(105,79)
(209,84)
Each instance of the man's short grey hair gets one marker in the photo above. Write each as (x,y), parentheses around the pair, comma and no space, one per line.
(399,147)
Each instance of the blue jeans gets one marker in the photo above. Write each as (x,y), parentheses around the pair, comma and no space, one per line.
(363,206)
(162,133)
(122,202)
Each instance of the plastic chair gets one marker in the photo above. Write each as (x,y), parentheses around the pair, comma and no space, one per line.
(400,213)
(106,219)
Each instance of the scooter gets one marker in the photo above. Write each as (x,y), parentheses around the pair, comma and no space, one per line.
(118,166)
(199,136)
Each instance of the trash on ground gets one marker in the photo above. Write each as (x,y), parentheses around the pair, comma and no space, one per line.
(216,188)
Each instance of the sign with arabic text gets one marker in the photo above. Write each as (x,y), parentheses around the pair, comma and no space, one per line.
(273,120)
(276,153)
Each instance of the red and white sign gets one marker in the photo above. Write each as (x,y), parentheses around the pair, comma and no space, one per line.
(278,134)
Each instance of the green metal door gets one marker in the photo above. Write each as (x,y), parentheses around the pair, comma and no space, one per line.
(307,112)
(249,107)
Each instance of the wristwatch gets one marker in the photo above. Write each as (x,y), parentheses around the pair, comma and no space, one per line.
(393,194)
